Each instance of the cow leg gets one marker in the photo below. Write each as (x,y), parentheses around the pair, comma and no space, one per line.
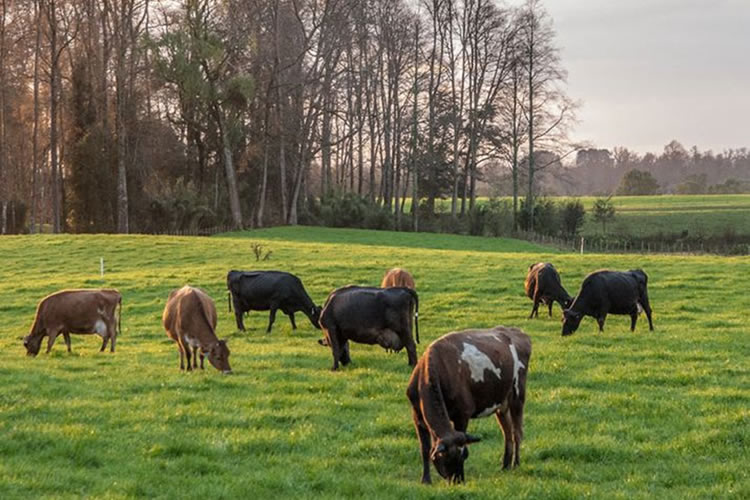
(516,414)
(182,356)
(633,319)
(333,342)
(238,314)
(195,357)
(506,424)
(66,337)
(345,358)
(186,348)
(291,318)
(600,321)
(647,309)
(535,307)
(202,356)
(411,352)
(51,340)
(271,319)
(112,336)
(425,444)
(549,304)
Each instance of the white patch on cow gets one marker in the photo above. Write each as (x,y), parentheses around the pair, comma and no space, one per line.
(640,307)
(191,341)
(100,327)
(492,409)
(478,362)
(516,366)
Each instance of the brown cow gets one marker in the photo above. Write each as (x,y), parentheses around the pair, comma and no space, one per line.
(398,277)
(465,375)
(75,311)
(543,285)
(190,320)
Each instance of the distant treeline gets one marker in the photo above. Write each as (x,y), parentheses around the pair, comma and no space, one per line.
(676,170)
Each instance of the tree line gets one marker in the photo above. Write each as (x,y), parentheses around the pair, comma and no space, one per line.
(141,116)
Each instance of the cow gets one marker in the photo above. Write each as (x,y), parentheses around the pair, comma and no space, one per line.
(398,277)
(190,320)
(543,286)
(370,315)
(464,375)
(603,292)
(269,291)
(75,311)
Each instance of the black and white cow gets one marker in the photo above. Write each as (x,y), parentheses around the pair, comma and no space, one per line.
(465,375)
(609,292)
(269,291)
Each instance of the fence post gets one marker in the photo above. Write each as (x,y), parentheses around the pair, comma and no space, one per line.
(581,245)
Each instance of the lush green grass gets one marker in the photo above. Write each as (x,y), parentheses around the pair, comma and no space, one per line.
(617,415)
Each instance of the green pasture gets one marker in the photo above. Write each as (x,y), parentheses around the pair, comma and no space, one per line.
(642,216)
(663,414)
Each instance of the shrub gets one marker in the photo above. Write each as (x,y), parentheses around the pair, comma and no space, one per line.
(572,214)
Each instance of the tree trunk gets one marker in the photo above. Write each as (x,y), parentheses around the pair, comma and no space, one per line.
(35,133)
(231,176)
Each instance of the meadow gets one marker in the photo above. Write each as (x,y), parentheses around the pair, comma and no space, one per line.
(663,414)
(643,216)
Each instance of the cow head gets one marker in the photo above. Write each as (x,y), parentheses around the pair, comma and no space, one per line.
(218,356)
(315,316)
(449,453)
(571,320)
(32,343)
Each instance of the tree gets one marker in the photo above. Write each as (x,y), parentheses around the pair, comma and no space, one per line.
(548,111)
(604,211)
(572,215)
(638,182)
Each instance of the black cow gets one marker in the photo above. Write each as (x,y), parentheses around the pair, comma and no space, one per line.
(370,316)
(269,291)
(543,286)
(604,292)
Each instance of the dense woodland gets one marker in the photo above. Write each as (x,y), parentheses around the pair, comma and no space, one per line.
(150,116)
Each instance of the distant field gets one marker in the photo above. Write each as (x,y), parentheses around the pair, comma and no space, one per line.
(699,215)
(662,414)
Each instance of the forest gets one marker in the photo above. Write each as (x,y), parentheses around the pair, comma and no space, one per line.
(144,116)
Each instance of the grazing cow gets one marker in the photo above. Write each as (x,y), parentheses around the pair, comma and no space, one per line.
(604,292)
(190,320)
(398,277)
(269,291)
(465,375)
(543,286)
(75,311)
(370,316)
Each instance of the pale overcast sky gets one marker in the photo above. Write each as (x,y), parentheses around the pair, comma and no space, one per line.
(649,71)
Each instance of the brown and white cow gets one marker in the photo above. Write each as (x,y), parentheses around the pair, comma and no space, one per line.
(464,375)
(190,320)
(398,277)
(75,311)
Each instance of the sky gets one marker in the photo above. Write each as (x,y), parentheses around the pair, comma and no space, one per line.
(649,71)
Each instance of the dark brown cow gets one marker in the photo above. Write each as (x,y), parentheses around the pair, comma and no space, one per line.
(543,285)
(190,320)
(465,375)
(398,277)
(75,311)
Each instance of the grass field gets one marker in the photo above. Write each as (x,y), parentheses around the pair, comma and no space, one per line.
(641,216)
(662,414)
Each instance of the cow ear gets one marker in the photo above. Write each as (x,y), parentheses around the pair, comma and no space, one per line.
(440,448)
(472,439)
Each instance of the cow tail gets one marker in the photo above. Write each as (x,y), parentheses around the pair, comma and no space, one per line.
(119,316)
(229,300)
(416,312)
